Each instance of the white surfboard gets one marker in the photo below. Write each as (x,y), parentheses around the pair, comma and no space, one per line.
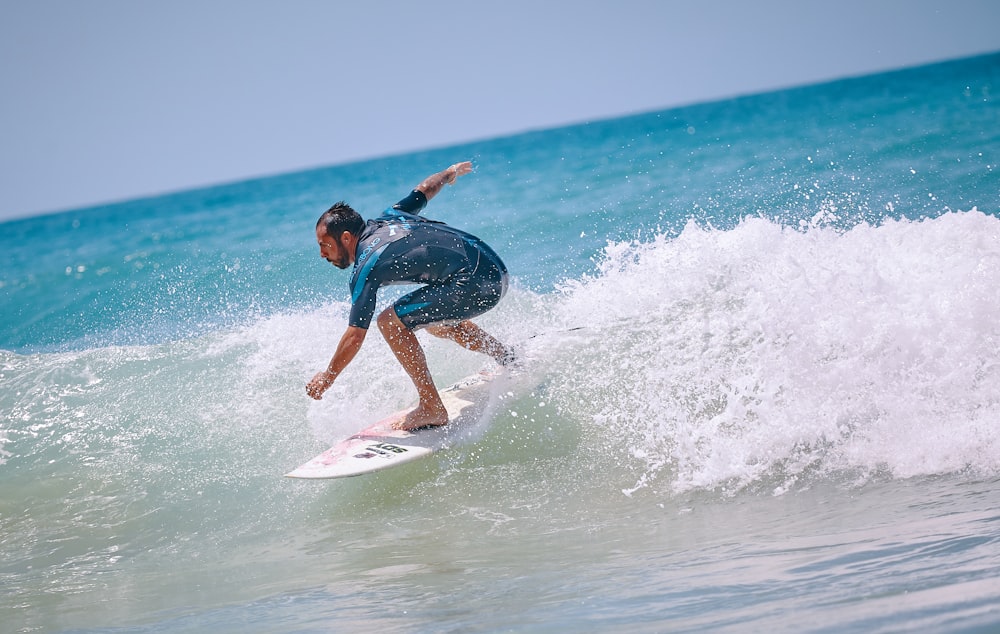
(380,446)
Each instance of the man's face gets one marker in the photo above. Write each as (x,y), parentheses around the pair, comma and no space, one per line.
(332,249)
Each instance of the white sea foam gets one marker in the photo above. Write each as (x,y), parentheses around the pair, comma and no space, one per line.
(763,354)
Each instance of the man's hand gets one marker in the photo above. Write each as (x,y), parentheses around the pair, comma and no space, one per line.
(459,169)
(319,384)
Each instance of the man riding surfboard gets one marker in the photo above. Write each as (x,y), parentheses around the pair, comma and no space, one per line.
(462,277)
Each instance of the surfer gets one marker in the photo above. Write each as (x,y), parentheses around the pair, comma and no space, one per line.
(462,277)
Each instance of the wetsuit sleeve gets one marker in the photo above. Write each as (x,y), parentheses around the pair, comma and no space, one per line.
(363,308)
(413,203)
(365,281)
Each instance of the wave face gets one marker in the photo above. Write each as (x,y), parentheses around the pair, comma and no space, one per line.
(756,361)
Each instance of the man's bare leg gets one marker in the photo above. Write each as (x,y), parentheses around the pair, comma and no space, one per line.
(403,343)
(471,336)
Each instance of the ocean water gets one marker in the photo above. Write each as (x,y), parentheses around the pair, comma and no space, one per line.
(765,394)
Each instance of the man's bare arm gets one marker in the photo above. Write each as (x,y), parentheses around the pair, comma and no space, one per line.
(348,347)
(433,183)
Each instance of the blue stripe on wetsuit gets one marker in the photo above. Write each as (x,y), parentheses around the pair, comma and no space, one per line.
(406,310)
(366,269)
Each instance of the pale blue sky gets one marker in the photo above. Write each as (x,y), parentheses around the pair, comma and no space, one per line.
(105,100)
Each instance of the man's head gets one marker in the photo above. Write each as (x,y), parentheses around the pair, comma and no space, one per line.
(337,232)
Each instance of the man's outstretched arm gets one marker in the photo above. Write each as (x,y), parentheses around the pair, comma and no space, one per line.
(433,183)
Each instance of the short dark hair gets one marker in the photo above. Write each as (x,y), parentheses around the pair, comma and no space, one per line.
(339,218)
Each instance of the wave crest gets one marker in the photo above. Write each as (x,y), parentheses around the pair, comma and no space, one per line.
(759,355)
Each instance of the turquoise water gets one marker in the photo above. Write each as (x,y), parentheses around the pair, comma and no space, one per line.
(782,413)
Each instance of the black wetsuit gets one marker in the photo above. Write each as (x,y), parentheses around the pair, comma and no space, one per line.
(462,276)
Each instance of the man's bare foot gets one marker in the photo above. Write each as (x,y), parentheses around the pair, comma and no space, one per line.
(423,416)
